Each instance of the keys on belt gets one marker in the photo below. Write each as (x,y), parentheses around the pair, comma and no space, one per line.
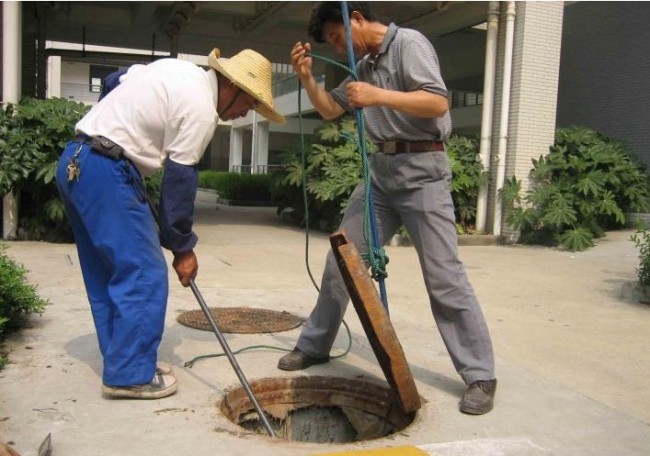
(100,145)
(73,168)
(73,171)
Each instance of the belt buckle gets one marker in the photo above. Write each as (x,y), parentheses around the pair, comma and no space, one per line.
(389,147)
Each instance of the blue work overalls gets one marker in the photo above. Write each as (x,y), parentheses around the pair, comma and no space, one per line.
(123,266)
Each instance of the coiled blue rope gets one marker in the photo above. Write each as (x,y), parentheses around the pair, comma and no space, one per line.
(377,257)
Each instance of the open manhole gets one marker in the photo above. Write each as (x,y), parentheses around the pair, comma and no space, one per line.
(318,409)
(241,320)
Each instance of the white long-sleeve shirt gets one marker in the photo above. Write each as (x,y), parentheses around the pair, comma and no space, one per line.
(166,109)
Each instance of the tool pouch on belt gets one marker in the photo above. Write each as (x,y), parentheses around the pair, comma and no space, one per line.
(106,147)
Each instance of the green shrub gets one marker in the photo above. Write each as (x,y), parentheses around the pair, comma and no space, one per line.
(581,188)
(152,185)
(641,240)
(238,187)
(18,298)
(208,178)
(468,177)
(32,136)
(333,167)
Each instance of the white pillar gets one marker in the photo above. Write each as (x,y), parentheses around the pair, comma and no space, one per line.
(11,49)
(488,110)
(262,148)
(236,147)
(53,77)
(11,79)
(254,144)
(505,117)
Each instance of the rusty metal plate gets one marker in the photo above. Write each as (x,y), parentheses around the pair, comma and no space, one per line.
(241,320)
(375,321)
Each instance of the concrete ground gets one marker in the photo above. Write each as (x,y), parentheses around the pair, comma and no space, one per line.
(571,344)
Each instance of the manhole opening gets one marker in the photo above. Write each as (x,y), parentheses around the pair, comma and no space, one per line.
(241,320)
(318,409)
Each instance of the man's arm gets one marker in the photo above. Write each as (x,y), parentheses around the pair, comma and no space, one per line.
(326,106)
(177,194)
(418,103)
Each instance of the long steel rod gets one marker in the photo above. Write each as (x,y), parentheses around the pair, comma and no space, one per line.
(231,357)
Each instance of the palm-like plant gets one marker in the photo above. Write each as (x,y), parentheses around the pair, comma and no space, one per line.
(581,188)
(330,169)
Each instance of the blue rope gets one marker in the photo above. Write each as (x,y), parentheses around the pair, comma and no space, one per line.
(375,251)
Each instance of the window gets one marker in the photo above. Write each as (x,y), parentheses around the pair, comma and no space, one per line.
(95,85)
(97,75)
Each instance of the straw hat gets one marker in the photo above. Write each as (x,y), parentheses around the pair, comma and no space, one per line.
(252,73)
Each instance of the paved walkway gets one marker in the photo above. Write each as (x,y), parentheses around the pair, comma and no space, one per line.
(571,346)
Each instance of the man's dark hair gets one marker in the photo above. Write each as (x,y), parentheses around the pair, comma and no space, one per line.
(331,12)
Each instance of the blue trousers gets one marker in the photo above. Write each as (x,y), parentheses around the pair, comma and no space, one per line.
(413,190)
(124,270)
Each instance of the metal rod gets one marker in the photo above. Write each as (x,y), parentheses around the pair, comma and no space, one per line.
(231,358)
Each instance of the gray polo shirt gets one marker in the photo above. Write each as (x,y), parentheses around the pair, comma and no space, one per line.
(406,62)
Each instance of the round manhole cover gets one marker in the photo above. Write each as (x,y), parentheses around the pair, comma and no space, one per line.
(241,320)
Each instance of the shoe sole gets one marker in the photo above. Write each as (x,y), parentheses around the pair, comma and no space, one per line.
(475,411)
(119,393)
(297,367)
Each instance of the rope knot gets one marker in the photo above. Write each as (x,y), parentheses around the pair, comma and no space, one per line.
(378,259)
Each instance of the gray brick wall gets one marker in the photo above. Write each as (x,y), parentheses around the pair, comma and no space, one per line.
(536,61)
(535,68)
(605,71)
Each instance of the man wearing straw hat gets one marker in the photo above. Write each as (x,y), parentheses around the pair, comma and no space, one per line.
(160,116)
(405,107)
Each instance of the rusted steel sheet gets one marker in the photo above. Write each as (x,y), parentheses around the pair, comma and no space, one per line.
(375,321)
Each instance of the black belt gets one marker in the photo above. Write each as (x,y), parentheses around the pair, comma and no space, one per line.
(405,147)
(101,145)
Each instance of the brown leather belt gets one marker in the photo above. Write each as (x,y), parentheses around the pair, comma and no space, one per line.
(403,147)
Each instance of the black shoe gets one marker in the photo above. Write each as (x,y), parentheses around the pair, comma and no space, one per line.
(479,397)
(297,360)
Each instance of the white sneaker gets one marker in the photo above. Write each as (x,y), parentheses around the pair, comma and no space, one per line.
(162,385)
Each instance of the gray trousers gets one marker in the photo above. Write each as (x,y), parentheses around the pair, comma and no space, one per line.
(413,190)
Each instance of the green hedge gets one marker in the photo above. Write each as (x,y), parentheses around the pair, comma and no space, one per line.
(33,134)
(237,187)
(18,298)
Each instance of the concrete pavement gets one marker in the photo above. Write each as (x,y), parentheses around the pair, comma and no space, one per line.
(571,347)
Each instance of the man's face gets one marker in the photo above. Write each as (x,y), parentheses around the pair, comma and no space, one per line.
(334,35)
(243,103)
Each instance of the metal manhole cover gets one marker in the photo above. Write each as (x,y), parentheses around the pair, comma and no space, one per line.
(375,321)
(241,320)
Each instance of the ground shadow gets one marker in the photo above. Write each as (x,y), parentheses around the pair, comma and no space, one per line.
(85,349)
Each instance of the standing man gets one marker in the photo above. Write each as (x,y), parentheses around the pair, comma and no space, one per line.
(162,115)
(404,100)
